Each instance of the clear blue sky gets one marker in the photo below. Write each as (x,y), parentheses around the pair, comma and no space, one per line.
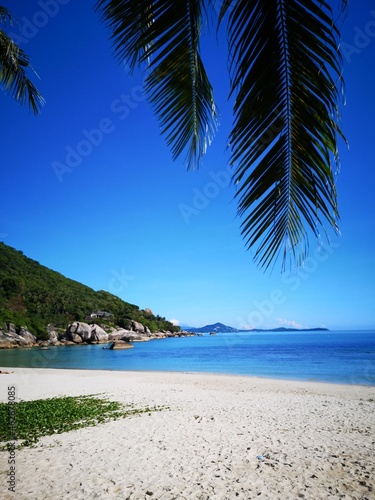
(127,219)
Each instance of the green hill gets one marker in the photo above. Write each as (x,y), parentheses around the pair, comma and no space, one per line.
(34,296)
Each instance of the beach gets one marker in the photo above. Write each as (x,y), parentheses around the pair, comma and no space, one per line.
(220,437)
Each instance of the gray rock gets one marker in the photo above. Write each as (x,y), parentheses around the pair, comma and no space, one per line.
(7,341)
(98,334)
(137,327)
(83,332)
(27,337)
(77,339)
(119,333)
(9,338)
(11,328)
(120,344)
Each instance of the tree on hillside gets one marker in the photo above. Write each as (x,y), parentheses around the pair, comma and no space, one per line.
(285,79)
(13,65)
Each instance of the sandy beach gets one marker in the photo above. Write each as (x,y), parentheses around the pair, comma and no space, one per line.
(223,437)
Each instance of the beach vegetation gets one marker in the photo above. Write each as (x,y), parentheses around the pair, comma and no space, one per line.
(285,86)
(46,417)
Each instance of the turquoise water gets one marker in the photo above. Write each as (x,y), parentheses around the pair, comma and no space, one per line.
(339,357)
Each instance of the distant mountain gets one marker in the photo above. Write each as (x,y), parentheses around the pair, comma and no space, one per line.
(217,327)
(34,296)
(220,328)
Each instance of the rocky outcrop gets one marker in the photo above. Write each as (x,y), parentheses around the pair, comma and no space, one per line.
(9,338)
(79,332)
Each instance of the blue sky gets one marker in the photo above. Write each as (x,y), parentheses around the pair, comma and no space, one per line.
(124,217)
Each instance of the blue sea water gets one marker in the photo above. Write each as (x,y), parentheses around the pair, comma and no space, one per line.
(338,357)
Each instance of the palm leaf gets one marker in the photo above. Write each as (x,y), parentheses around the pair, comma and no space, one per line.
(284,64)
(13,65)
(165,34)
(285,74)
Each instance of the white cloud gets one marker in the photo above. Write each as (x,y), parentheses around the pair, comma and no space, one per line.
(174,322)
(287,322)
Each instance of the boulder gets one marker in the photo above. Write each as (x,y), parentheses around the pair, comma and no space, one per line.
(27,337)
(137,327)
(7,341)
(43,343)
(98,334)
(119,333)
(128,335)
(77,339)
(83,332)
(159,335)
(11,328)
(9,338)
(120,344)
(53,335)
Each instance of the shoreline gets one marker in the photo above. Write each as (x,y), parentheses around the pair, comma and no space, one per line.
(222,436)
(171,372)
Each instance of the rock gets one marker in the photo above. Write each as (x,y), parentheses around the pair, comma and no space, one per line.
(7,341)
(9,338)
(98,334)
(77,339)
(119,333)
(159,335)
(28,337)
(128,335)
(53,335)
(83,332)
(137,327)
(120,344)
(11,328)
(43,343)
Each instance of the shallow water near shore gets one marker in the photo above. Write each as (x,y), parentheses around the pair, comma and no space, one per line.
(338,357)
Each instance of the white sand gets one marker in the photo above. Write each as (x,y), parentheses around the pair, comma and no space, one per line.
(317,440)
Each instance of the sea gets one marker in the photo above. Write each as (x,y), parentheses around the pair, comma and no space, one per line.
(343,357)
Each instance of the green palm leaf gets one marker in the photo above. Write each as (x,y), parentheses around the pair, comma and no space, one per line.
(283,61)
(285,72)
(13,65)
(165,34)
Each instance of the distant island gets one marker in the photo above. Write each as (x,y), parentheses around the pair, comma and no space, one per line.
(220,328)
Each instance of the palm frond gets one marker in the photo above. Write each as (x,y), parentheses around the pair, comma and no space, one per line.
(5,16)
(165,34)
(285,69)
(13,65)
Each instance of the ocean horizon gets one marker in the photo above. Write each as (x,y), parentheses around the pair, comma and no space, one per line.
(346,357)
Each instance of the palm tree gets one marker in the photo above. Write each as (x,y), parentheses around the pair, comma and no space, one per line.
(285,77)
(13,65)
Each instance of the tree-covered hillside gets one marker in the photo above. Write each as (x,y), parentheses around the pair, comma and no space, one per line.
(34,296)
